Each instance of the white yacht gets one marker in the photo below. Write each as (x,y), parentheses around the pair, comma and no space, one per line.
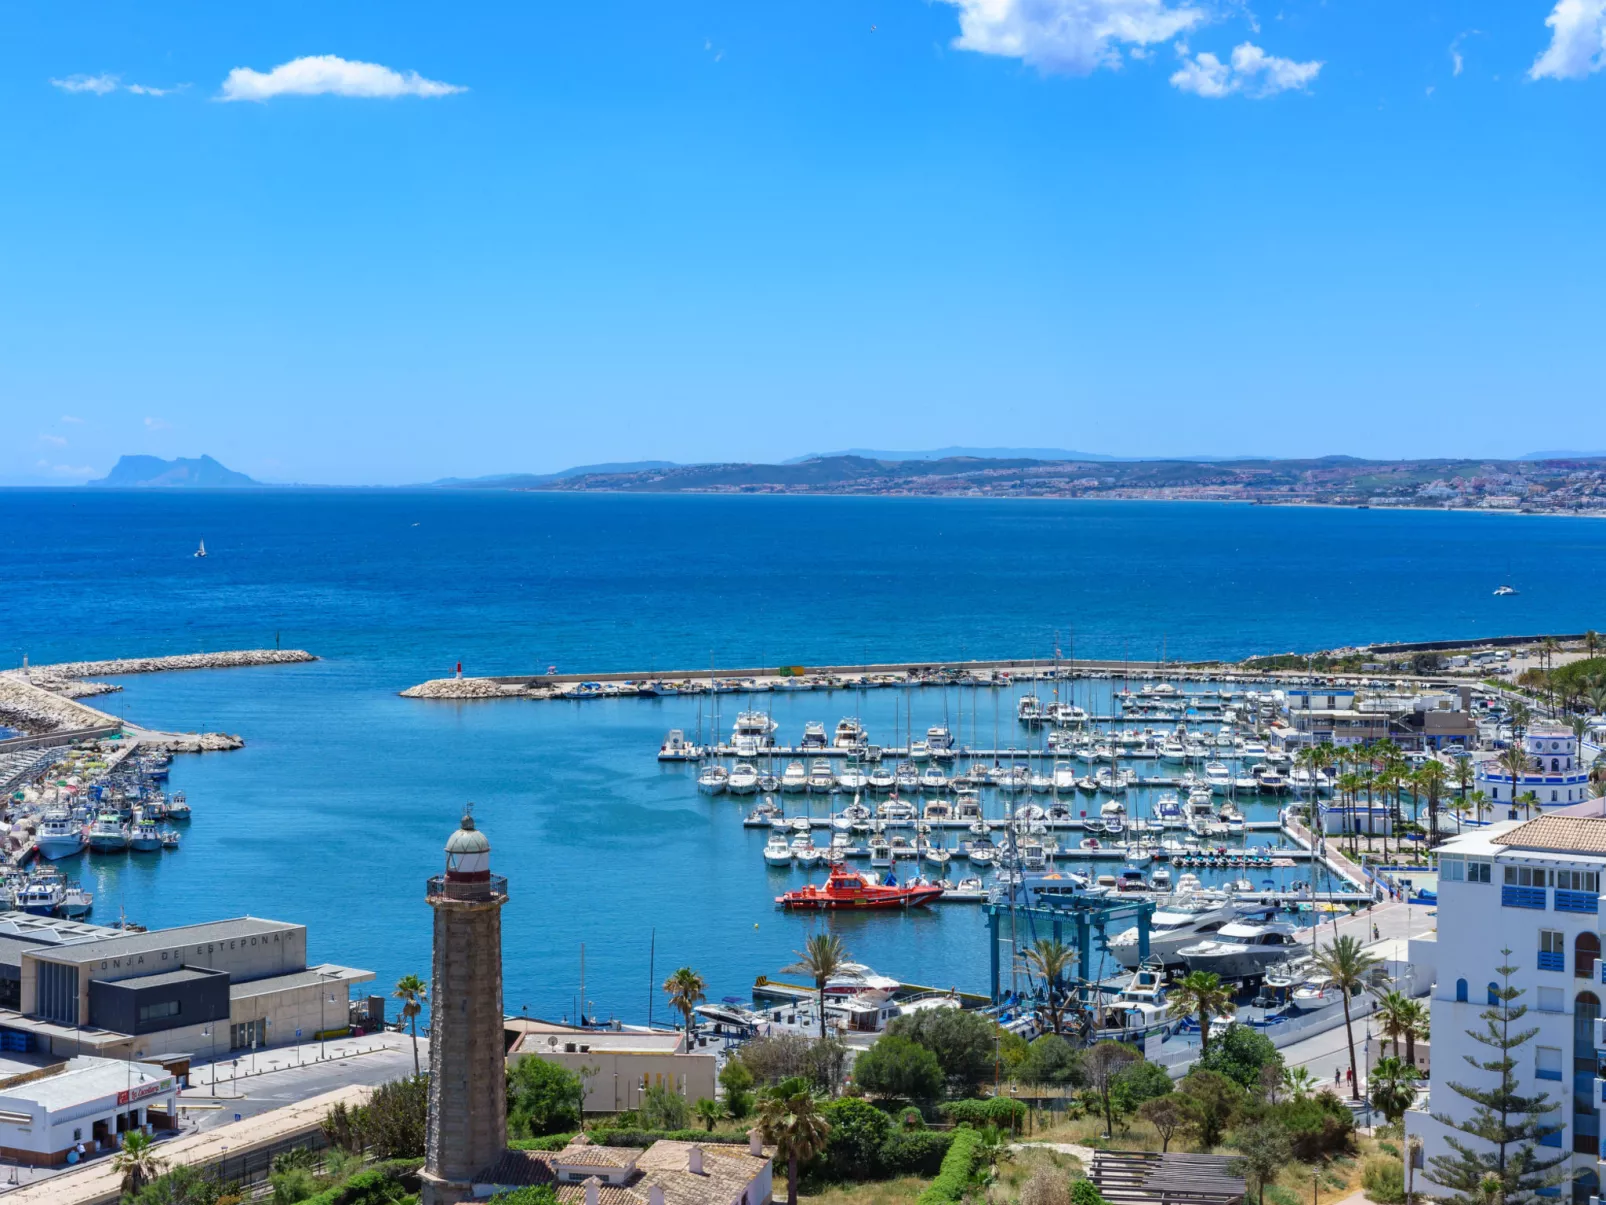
(1218,777)
(794,777)
(1013,779)
(933,779)
(938,810)
(1181,920)
(1064,779)
(1171,749)
(896,811)
(907,777)
(1039,782)
(1138,1010)
(852,778)
(60,836)
(756,725)
(743,779)
(1242,949)
(856,979)
(711,780)
(777,852)
(821,780)
(849,734)
(939,740)
(882,779)
(813,735)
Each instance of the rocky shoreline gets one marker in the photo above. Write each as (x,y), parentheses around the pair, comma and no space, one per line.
(33,708)
(226,659)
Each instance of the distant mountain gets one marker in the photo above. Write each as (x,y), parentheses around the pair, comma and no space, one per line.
(946,453)
(1561,455)
(200,472)
(521,481)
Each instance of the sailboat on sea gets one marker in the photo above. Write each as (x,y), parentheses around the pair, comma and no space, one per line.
(201,551)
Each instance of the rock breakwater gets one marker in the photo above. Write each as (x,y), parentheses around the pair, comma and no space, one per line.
(472,688)
(33,709)
(224,659)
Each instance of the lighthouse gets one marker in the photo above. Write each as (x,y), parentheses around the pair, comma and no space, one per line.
(467,1096)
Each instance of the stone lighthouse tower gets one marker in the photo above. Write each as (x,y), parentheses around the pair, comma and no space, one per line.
(467,1097)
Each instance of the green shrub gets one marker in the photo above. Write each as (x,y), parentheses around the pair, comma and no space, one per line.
(535,1194)
(548,1142)
(542,1097)
(915,1152)
(383,1184)
(1383,1180)
(1002,1111)
(1085,1192)
(663,1109)
(1317,1126)
(958,1170)
(858,1132)
(912,1119)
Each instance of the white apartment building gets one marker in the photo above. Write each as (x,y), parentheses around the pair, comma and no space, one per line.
(1556,775)
(1532,887)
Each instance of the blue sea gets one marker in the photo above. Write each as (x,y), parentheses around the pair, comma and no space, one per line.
(335,812)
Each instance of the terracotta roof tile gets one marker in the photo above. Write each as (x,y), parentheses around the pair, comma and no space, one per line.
(1575,834)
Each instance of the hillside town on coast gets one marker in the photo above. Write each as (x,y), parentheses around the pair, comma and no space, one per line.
(1214,895)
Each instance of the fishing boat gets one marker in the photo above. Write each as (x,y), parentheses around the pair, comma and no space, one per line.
(108,834)
(43,895)
(146,838)
(851,889)
(170,841)
(178,807)
(60,836)
(75,902)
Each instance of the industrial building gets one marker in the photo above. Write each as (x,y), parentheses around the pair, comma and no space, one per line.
(200,990)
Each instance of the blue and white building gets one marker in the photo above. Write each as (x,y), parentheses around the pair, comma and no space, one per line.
(1556,775)
(1533,888)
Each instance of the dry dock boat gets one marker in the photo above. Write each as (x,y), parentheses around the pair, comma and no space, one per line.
(850,889)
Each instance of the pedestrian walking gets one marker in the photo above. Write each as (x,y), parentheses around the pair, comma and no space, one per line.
(1375,933)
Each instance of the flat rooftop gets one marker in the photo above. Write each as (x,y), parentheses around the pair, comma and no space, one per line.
(82,1078)
(125,945)
(326,972)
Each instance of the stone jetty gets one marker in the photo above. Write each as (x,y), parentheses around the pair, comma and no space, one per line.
(474,688)
(224,659)
(33,708)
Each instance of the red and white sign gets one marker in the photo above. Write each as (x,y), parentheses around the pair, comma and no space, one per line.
(144,1090)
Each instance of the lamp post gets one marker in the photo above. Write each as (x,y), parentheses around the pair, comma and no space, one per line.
(324,998)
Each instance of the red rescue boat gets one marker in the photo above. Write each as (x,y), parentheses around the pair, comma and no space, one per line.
(850,889)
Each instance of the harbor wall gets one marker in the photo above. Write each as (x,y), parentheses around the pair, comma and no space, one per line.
(222,659)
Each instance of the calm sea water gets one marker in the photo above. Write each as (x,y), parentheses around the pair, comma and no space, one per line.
(335,812)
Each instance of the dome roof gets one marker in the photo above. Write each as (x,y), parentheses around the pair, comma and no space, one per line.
(468,839)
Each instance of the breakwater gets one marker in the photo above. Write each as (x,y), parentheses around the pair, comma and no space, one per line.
(223,659)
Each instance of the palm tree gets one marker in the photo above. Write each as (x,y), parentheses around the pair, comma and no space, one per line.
(791,1121)
(1431,778)
(1394,1017)
(1515,763)
(1479,800)
(1529,802)
(1465,775)
(1416,1026)
(1393,1088)
(685,989)
(410,990)
(1597,699)
(137,1161)
(1199,994)
(708,1111)
(1349,786)
(1591,642)
(821,957)
(1299,1082)
(1051,958)
(1347,965)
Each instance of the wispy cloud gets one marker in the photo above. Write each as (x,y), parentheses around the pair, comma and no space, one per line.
(98,84)
(1577,41)
(67,470)
(330,75)
(72,420)
(1250,72)
(1076,37)
(1457,60)
(54,441)
(157,424)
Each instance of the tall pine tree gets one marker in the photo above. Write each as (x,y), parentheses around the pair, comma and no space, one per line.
(1509,1125)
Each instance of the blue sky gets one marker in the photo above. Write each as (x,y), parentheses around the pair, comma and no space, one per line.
(381,243)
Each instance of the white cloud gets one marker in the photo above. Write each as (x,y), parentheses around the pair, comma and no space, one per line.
(330,75)
(1457,60)
(158,424)
(1251,72)
(67,470)
(1577,41)
(1072,36)
(98,84)
(72,419)
(54,441)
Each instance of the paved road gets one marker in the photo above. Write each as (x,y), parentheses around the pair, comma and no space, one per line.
(268,1079)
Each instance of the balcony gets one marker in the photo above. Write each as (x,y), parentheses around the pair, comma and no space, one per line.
(1587,902)
(491,887)
(1600,1033)
(1522,897)
(1552,961)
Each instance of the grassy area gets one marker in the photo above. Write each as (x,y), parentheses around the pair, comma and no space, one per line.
(901,1191)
